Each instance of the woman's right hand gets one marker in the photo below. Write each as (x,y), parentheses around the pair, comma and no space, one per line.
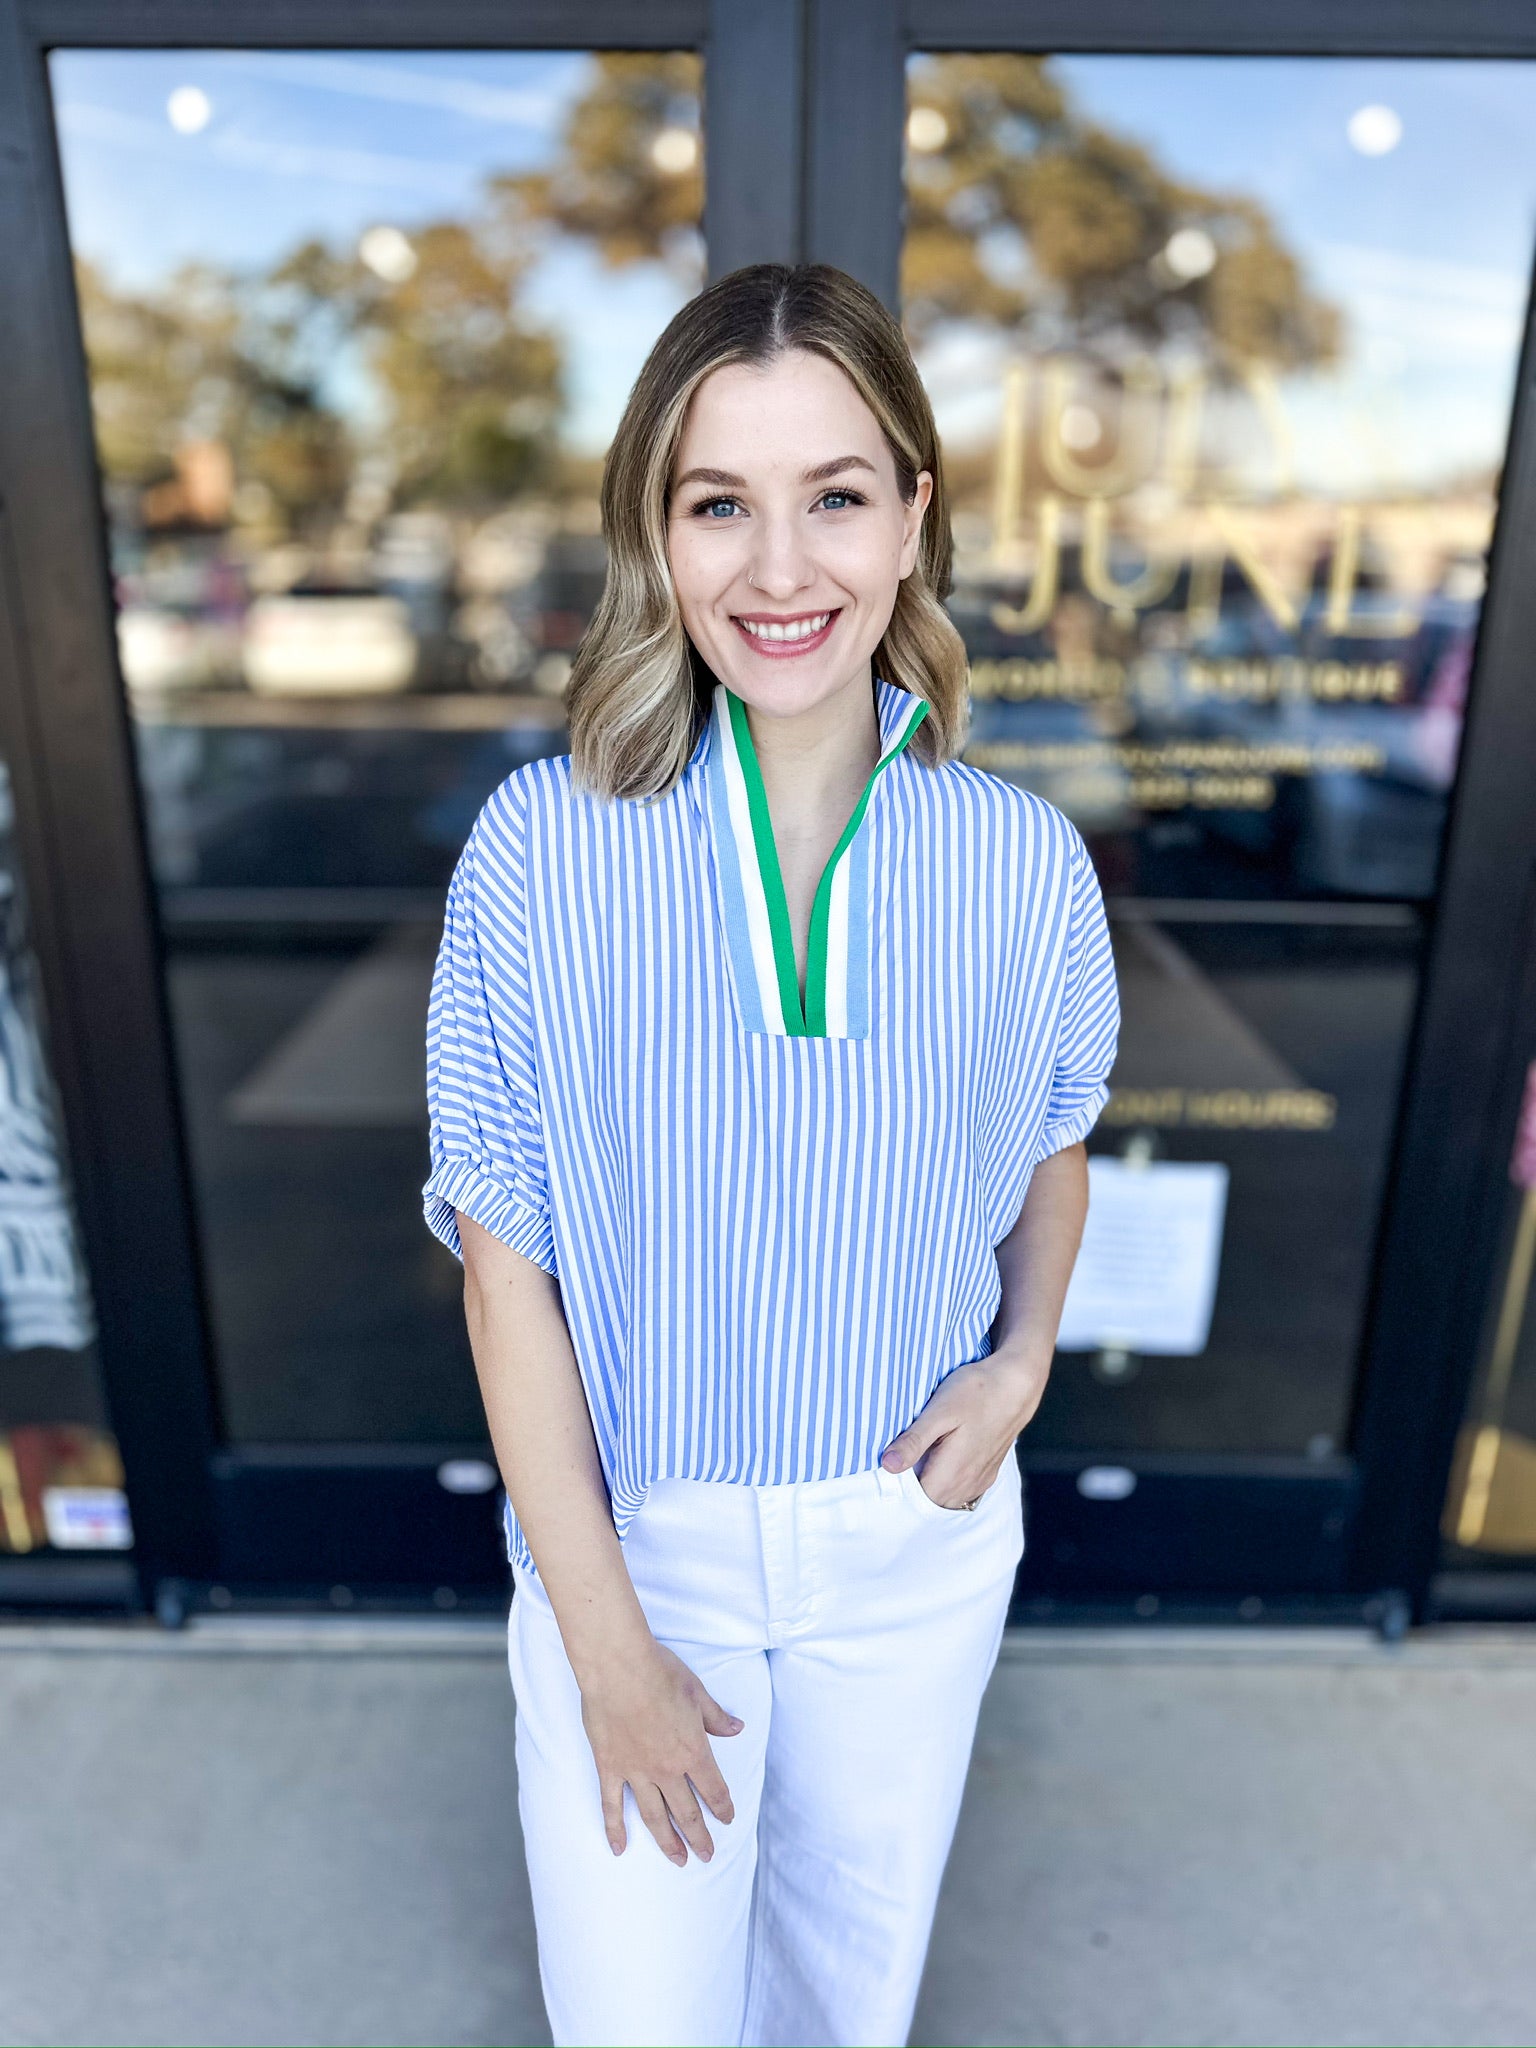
(648,1723)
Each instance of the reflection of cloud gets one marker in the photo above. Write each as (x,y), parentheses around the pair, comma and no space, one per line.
(1431,328)
(518,108)
(1422,276)
(345,166)
(250,152)
(1443,311)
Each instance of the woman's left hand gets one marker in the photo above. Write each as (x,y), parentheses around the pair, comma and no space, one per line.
(969,1425)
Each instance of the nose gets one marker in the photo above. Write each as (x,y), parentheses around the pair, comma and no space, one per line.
(781,564)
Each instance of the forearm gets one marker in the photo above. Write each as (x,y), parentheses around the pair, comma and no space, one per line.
(541,1430)
(1036,1258)
(973,1418)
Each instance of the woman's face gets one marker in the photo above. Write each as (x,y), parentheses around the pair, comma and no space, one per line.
(786,531)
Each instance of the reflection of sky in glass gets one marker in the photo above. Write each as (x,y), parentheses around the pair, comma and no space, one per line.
(304,145)
(1426,250)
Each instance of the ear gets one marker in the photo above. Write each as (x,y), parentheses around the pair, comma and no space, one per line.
(912,523)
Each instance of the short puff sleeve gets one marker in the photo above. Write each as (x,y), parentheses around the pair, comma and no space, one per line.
(486,1140)
(1089,1028)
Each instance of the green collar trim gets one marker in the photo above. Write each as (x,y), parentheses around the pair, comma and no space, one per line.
(839,924)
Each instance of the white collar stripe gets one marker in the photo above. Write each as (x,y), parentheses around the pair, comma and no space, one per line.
(860,937)
(838,950)
(756,971)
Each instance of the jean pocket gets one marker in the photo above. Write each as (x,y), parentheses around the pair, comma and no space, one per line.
(924,1501)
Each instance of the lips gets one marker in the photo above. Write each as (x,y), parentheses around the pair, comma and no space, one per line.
(778,636)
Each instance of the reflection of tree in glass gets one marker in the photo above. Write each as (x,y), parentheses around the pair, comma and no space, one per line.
(629,176)
(472,385)
(182,364)
(1022,213)
(467,385)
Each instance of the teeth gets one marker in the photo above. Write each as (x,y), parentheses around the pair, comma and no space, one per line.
(795,629)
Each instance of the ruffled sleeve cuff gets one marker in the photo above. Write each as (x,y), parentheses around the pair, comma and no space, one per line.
(507,1213)
(1074,1126)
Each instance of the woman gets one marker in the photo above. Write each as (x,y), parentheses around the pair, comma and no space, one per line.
(764,1039)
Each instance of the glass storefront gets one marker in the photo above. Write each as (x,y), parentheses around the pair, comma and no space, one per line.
(295,552)
(359,327)
(1223,353)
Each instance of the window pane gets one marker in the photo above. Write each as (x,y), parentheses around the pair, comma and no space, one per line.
(359,329)
(1223,351)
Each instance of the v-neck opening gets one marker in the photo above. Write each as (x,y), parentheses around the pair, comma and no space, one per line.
(759,931)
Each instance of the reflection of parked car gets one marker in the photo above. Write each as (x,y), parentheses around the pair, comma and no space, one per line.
(312,807)
(162,649)
(329,641)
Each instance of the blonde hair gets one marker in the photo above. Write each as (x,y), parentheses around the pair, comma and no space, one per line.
(639,693)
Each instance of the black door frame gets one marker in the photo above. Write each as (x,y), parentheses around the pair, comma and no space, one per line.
(804,112)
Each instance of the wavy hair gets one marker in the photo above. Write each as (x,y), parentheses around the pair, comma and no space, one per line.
(639,691)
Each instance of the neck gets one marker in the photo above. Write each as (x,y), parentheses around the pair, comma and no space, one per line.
(815,757)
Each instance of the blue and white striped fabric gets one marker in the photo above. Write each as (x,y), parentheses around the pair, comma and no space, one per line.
(772,1217)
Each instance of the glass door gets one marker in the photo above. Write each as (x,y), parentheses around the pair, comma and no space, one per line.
(1223,351)
(358,325)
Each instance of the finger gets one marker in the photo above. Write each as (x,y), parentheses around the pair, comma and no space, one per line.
(907,1448)
(713,1790)
(904,1450)
(613,1813)
(688,1819)
(717,1720)
(654,1813)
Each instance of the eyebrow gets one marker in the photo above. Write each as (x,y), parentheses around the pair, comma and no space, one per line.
(823,470)
(711,476)
(819,475)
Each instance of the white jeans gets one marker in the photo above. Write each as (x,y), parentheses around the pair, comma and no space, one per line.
(853,1624)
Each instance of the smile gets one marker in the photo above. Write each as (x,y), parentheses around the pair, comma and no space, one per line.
(776,636)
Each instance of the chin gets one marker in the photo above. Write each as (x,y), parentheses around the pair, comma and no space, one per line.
(784,694)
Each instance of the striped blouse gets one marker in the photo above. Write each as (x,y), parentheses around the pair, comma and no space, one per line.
(772,1219)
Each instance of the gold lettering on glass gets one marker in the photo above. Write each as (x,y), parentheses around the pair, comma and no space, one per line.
(1160,418)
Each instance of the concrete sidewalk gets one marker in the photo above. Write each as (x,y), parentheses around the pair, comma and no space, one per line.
(255,1832)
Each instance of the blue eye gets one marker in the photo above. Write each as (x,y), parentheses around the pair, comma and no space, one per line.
(711,507)
(845,498)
